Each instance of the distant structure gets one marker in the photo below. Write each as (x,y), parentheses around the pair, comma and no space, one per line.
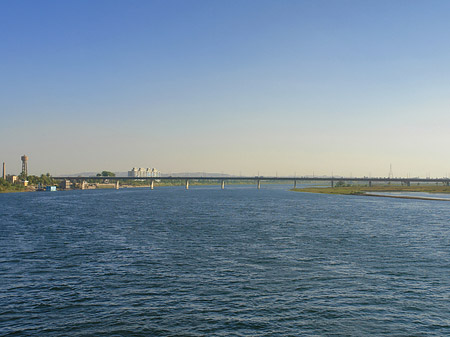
(391,174)
(144,173)
(12,178)
(66,184)
(4,171)
(24,165)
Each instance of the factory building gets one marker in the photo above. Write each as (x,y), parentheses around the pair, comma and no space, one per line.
(12,178)
(144,173)
(66,184)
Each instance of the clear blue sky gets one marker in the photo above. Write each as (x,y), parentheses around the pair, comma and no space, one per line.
(274,87)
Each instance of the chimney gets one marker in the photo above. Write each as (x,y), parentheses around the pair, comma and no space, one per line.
(4,171)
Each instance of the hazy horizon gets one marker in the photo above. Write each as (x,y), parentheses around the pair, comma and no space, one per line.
(251,87)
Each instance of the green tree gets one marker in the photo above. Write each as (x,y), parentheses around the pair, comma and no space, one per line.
(106,174)
(340,183)
(6,186)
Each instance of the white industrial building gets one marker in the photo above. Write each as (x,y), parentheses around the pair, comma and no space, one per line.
(144,172)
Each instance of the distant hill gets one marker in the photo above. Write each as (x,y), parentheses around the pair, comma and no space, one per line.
(81,174)
(182,174)
(125,174)
(179,174)
(195,174)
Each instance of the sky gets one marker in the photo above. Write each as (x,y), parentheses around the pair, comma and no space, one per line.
(268,87)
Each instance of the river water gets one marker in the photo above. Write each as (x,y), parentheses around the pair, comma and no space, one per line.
(207,262)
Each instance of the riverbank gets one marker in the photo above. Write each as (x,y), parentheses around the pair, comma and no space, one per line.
(6,187)
(370,191)
(12,190)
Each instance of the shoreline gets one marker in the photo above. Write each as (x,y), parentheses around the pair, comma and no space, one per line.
(404,197)
(377,191)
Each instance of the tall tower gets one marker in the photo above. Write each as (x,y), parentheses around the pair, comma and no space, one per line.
(391,174)
(4,171)
(24,165)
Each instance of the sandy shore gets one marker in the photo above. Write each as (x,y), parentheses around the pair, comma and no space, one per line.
(404,197)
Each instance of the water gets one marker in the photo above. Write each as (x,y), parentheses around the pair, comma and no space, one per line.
(207,262)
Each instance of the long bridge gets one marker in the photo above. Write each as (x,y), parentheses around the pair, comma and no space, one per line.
(259,179)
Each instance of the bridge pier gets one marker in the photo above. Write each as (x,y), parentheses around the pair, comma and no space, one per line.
(258,184)
(117,185)
(408,183)
(370,183)
(187,184)
(447,183)
(295,183)
(152,184)
(332,183)
(223,184)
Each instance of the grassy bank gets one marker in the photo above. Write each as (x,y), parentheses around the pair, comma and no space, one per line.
(7,187)
(359,190)
(12,188)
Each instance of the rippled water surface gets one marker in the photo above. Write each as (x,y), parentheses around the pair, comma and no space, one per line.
(207,262)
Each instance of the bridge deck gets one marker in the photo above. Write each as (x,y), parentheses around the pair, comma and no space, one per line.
(262,178)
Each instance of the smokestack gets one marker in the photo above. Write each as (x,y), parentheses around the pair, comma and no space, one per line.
(4,171)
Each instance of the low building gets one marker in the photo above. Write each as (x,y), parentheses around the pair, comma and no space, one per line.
(66,184)
(144,173)
(12,179)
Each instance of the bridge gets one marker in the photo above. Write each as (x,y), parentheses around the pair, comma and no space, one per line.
(259,179)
